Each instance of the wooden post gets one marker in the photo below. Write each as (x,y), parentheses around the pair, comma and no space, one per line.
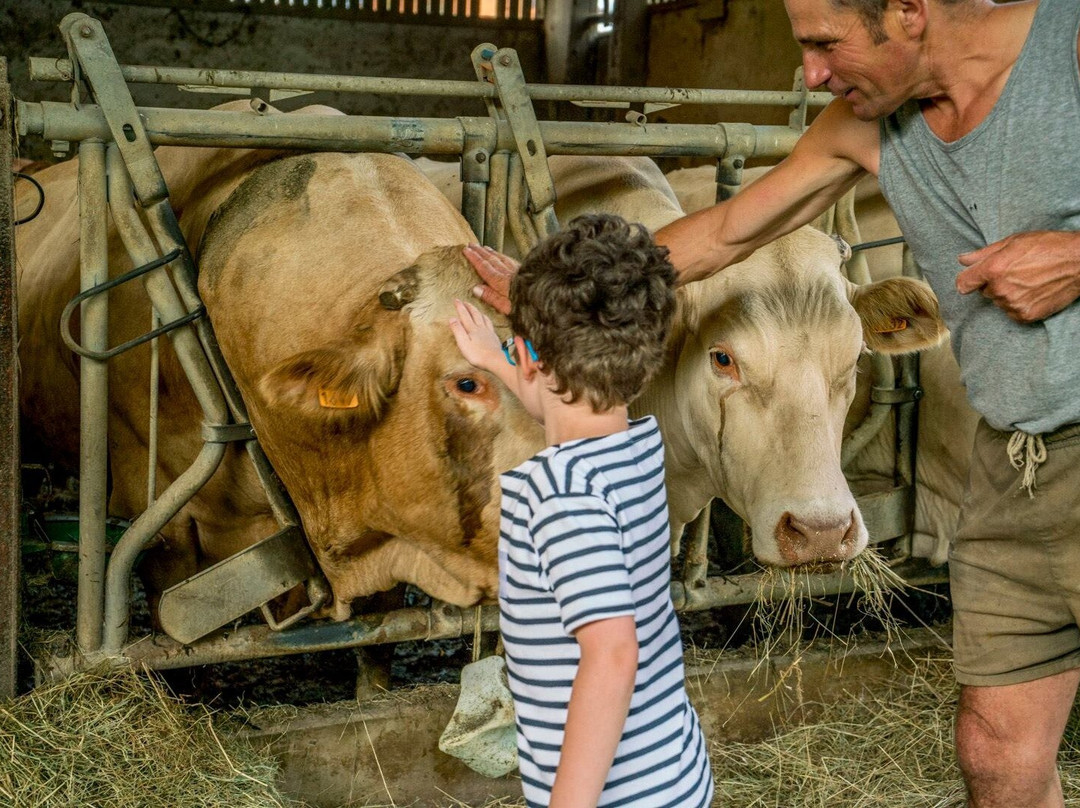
(629,44)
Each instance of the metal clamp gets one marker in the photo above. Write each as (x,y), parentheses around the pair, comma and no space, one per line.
(227,433)
(101,356)
(895,395)
(516,103)
(729,176)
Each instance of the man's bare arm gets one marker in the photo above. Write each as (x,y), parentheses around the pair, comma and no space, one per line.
(828,160)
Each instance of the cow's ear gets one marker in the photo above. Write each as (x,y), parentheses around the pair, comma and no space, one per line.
(899,315)
(350,379)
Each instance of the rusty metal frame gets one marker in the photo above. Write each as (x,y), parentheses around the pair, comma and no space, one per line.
(495,169)
(10,493)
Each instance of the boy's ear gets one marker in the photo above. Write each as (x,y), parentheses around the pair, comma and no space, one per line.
(529,366)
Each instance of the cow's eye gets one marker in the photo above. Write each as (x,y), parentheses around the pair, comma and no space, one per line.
(467,385)
(721,359)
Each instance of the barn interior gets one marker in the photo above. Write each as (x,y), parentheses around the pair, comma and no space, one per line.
(708,45)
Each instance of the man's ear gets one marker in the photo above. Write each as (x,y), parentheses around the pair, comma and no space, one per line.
(910,16)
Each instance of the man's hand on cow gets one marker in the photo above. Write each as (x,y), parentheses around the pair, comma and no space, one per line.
(1029,275)
(496,271)
(476,338)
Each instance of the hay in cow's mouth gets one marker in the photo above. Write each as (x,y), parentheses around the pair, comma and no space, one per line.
(785,625)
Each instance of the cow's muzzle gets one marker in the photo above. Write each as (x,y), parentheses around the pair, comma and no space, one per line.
(817,540)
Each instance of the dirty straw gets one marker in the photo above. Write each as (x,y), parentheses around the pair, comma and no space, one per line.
(115,738)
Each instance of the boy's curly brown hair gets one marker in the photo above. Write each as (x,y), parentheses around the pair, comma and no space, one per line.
(596,300)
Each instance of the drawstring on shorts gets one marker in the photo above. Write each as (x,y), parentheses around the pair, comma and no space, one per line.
(1026,453)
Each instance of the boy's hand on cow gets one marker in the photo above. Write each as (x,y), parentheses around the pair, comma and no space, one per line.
(1029,275)
(496,271)
(476,338)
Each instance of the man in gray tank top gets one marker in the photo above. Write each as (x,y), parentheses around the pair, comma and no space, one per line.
(969,112)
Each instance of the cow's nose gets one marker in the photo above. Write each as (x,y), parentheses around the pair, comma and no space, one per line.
(808,540)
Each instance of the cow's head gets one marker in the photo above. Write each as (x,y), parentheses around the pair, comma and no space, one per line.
(764,364)
(388,441)
(417,435)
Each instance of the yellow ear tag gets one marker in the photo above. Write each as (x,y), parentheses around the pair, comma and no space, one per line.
(336,400)
(896,324)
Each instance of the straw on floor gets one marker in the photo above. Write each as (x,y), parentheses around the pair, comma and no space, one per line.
(115,738)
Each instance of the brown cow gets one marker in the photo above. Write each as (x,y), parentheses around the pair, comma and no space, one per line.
(328,279)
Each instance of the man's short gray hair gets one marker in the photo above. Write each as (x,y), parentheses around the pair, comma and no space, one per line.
(872,13)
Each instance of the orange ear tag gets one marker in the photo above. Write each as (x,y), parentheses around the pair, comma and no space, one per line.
(896,324)
(337,400)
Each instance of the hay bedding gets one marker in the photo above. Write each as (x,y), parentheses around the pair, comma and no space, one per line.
(106,739)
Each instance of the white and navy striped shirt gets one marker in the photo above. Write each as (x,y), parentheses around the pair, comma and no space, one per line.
(585,537)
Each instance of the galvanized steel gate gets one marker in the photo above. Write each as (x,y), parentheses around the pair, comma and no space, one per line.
(503,159)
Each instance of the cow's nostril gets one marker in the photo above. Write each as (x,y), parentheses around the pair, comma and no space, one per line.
(809,540)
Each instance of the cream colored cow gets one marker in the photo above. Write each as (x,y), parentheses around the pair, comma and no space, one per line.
(946,420)
(760,370)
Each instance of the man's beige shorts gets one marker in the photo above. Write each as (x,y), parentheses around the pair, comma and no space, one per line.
(1014,566)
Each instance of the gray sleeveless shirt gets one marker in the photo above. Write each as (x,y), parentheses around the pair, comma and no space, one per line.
(1019,170)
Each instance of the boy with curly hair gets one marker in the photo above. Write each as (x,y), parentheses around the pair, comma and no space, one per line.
(592,640)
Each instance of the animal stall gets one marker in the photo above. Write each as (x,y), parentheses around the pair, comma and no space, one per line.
(505,180)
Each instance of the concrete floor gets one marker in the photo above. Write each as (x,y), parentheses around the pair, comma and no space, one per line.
(385,751)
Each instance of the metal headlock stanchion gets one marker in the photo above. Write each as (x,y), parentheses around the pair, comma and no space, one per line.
(505,182)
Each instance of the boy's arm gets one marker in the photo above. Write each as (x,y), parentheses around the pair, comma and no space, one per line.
(479,344)
(599,703)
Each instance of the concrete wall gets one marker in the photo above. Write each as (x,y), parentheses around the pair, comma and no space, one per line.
(722,44)
(148,35)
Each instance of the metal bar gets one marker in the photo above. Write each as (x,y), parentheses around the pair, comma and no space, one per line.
(522,227)
(881,367)
(741,589)
(86,39)
(441,621)
(162,293)
(189,352)
(10,494)
(93,394)
(510,83)
(907,413)
(55,121)
(48,69)
(495,215)
(139,536)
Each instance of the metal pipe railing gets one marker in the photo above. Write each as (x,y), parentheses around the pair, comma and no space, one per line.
(486,207)
(167,303)
(93,395)
(353,133)
(142,532)
(444,621)
(46,69)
